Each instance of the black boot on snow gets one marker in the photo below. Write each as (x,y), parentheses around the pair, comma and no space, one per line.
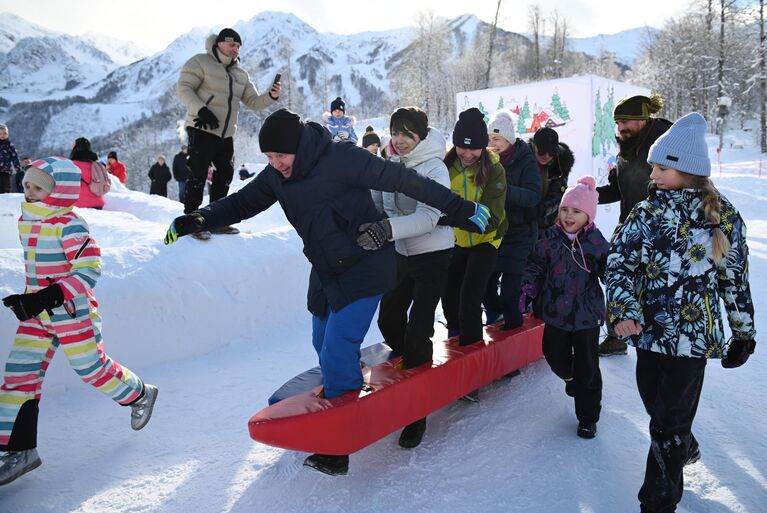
(693,454)
(412,435)
(587,430)
(328,464)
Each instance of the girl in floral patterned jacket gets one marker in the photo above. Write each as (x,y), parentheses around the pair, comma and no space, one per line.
(675,258)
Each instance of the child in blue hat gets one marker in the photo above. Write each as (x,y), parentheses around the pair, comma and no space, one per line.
(679,253)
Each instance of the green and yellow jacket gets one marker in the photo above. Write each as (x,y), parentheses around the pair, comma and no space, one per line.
(492,194)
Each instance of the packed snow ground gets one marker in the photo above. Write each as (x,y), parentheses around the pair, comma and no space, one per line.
(218,326)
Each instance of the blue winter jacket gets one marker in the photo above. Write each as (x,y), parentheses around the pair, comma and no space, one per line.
(661,273)
(563,278)
(326,199)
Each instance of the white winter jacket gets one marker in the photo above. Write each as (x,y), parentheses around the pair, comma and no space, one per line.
(414,224)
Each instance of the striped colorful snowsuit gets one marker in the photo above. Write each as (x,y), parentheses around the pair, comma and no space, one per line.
(57,249)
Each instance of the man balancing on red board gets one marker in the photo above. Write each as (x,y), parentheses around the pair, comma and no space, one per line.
(324,189)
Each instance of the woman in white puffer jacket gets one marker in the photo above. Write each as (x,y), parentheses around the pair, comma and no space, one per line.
(423,249)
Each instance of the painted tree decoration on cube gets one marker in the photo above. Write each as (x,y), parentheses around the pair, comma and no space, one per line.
(522,121)
(484,112)
(559,108)
(500,103)
(604,124)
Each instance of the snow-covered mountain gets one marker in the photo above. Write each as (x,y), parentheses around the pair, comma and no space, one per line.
(625,45)
(120,51)
(38,64)
(60,87)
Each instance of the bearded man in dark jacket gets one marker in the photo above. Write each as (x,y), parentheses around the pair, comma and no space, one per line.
(629,179)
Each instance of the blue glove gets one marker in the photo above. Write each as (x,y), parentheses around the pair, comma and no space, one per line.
(481,216)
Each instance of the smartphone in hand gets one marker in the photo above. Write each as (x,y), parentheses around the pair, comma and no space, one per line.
(277,78)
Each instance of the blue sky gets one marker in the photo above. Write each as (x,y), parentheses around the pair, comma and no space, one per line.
(154,24)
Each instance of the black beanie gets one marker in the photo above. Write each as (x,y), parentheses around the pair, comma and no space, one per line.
(339,104)
(370,137)
(410,119)
(228,35)
(281,132)
(471,130)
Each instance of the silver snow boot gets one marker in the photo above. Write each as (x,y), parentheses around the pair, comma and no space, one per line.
(141,410)
(14,464)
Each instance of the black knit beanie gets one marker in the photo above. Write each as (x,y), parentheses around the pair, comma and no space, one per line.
(471,130)
(228,35)
(338,104)
(370,137)
(281,132)
(410,119)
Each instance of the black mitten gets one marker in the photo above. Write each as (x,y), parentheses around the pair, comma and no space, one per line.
(26,306)
(205,119)
(374,235)
(738,353)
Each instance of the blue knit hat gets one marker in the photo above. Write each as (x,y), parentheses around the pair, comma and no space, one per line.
(683,147)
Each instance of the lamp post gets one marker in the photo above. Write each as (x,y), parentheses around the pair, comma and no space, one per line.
(723,108)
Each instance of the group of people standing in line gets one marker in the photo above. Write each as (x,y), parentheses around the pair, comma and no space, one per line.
(491,222)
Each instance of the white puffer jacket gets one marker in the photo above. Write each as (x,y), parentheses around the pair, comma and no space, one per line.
(414,224)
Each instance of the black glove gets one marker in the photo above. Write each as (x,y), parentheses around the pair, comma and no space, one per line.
(26,306)
(738,353)
(183,225)
(206,119)
(374,235)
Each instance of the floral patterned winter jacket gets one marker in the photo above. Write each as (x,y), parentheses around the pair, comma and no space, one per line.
(661,273)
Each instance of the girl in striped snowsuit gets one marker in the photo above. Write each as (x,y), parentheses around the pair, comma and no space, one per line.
(62,263)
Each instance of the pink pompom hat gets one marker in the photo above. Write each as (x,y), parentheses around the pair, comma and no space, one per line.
(583,196)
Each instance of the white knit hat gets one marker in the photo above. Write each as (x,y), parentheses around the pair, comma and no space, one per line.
(683,146)
(501,123)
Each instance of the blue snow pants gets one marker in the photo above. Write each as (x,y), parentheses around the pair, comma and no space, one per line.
(337,338)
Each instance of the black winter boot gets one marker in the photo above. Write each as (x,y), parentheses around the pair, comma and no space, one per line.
(328,464)
(587,430)
(412,435)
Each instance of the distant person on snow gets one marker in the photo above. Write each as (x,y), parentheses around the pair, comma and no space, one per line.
(324,189)
(677,256)
(211,85)
(371,141)
(181,171)
(84,157)
(25,163)
(562,282)
(244,174)
(9,161)
(116,167)
(159,176)
(340,126)
(627,182)
(57,308)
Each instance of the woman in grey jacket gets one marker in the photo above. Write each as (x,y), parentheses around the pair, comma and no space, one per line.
(423,249)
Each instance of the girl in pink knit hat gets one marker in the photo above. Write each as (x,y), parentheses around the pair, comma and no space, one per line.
(562,282)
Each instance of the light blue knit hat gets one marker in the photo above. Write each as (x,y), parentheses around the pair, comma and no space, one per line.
(683,147)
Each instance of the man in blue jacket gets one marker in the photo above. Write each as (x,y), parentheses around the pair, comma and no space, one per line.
(324,189)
